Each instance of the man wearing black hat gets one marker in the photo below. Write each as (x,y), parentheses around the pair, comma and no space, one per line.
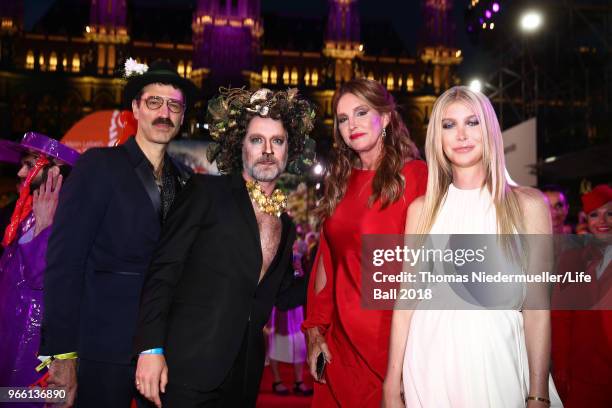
(107,224)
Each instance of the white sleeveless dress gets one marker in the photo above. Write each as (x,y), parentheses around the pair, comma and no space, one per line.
(467,358)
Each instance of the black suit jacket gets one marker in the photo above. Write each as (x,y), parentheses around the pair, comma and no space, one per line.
(105,230)
(201,298)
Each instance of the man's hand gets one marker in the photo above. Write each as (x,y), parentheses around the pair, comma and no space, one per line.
(44,200)
(316,345)
(62,374)
(152,376)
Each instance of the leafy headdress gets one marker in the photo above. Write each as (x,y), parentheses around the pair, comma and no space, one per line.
(229,114)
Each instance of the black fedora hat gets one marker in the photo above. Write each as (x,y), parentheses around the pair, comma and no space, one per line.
(160,71)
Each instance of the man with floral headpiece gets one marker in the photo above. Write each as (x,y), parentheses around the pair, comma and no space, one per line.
(108,221)
(44,162)
(224,257)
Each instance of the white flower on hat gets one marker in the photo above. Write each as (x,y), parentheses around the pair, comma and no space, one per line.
(132,67)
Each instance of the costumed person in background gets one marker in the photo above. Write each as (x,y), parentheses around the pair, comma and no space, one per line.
(582,339)
(373,176)
(286,343)
(8,194)
(300,241)
(224,257)
(471,358)
(582,227)
(44,164)
(556,198)
(108,221)
(312,244)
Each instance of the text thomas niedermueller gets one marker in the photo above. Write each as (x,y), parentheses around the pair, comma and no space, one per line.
(482,277)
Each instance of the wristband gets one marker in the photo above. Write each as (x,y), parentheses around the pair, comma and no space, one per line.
(158,350)
(49,360)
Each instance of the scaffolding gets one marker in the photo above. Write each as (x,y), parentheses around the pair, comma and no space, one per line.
(561,74)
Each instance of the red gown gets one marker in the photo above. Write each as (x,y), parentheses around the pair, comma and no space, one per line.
(358,339)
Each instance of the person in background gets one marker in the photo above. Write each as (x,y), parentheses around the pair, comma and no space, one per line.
(312,244)
(286,343)
(559,207)
(582,339)
(44,164)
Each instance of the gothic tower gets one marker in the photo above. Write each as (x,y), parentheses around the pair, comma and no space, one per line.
(342,39)
(437,46)
(226,39)
(108,30)
(11,23)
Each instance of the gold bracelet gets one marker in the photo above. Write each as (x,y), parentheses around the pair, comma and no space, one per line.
(541,399)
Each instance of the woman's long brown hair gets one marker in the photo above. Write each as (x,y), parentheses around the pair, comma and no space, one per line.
(398,148)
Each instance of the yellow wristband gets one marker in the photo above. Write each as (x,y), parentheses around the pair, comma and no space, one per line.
(49,360)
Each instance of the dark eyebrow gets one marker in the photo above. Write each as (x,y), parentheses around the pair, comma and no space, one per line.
(162,97)
(354,109)
(262,136)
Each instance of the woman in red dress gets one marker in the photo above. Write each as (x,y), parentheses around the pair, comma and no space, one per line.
(373,177)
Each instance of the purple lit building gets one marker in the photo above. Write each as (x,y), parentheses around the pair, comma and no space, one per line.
(67,65)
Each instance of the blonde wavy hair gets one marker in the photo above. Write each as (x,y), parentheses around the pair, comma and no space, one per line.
(509,213)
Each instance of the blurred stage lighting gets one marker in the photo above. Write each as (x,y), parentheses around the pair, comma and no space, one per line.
(318,169)
(531,21)
(476,85)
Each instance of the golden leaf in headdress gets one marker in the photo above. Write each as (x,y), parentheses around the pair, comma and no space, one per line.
(291,93)
(217,109)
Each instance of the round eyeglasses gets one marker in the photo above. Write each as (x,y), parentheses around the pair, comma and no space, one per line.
(156,102)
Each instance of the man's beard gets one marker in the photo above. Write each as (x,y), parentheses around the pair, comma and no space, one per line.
(262,173)
(37,181)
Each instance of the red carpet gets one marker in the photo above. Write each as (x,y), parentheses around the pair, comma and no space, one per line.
(269,400)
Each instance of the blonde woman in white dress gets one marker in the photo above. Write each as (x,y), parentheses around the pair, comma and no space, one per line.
(470,358)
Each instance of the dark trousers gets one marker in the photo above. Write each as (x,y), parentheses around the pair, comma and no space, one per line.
(236,390)
(107,385)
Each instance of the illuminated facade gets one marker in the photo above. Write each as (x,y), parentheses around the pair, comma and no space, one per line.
(67,65)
